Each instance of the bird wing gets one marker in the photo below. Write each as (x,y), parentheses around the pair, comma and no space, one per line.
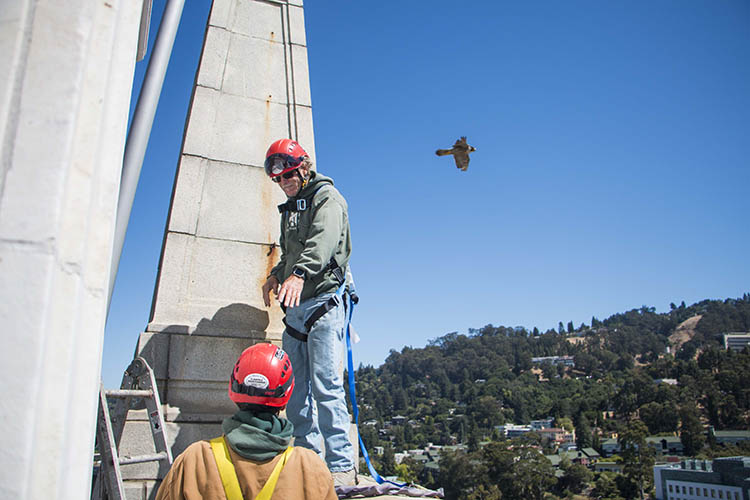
(462,160)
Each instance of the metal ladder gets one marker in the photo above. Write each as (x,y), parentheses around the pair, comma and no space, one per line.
(138,387)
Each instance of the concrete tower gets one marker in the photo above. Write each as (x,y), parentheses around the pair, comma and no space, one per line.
(252,87)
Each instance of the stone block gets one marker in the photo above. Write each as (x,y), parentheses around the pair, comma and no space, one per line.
(214,58)
(258,19)
(192,371)
(297,25)
(239,203)
(140,489)
(186,205)
(137,440)
(256,68)
(301,80)
(304,123)
(221,12)
(233,128)
(209,285)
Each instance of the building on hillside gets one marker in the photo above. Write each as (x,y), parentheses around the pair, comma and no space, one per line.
(723,478)
(610,447)
(608,467)
(662,445)
(586,457)
(555,360)
(513,430)
(666,445)
(729,437)
(557,435)
(545,423)
(593,455)
(568,446)
(668,381)
(736,341)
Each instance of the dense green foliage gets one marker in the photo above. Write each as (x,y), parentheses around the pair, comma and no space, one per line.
(457,389)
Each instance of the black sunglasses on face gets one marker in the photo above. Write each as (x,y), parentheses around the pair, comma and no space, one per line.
(285,175)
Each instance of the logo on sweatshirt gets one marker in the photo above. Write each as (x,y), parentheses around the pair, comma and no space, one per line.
(293,220)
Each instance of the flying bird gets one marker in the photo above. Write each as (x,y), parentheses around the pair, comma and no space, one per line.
(460,152)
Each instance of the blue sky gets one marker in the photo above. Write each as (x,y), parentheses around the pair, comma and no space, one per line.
(612,167)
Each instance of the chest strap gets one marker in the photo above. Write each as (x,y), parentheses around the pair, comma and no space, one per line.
(229,475)
(298,205)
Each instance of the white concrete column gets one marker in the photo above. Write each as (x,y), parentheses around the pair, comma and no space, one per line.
(65,82)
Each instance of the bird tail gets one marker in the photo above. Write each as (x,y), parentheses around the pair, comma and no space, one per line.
(443,152)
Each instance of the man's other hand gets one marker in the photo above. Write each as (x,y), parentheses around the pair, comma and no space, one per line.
(271,285)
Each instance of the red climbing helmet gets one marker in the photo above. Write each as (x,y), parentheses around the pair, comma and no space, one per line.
(262,376)
(282,156)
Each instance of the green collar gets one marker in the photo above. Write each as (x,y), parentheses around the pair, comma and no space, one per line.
(257,436)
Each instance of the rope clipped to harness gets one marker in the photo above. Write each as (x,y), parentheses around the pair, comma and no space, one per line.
(353,397)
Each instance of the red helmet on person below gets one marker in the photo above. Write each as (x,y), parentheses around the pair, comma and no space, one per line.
(262,376)
(282,156)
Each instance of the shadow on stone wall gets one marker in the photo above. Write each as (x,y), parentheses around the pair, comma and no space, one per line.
(234,320)
(240,326)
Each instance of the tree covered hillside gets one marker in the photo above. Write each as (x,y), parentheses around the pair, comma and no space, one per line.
(459,387)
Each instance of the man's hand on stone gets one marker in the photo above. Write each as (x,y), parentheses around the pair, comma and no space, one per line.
(271,285)
(291,290)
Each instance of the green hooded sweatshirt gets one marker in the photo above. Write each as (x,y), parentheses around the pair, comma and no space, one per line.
(257,436)
(310,237)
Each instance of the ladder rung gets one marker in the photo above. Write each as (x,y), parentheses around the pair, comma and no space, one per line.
(143,458)
(129,393)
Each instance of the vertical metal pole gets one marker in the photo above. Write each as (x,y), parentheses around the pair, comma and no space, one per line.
(140,128)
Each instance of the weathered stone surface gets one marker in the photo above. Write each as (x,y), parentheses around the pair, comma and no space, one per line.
(214,59)
(234,128)
(204,282)
(252,69)
(65,84)
(258,19)
(297,25)
(228,211)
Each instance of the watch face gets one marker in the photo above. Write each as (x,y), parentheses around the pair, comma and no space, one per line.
(299,273)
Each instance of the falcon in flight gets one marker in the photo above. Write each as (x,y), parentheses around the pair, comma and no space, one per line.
(460,152)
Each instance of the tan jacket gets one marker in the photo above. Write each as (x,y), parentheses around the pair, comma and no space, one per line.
(194,476)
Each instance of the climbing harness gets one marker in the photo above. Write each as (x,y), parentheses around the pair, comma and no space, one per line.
(229,475)
(322,309)
(301,204)
(353,397)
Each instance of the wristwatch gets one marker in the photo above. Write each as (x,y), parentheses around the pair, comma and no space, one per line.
(298,272)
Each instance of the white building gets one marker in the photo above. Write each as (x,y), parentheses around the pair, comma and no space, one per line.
(736,341)
(722,478)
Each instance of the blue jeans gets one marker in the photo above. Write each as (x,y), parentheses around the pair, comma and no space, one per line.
(317,366)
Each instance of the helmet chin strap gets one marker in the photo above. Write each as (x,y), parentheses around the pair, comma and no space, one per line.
(304,181)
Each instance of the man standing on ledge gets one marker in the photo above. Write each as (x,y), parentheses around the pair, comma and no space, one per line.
(309,284)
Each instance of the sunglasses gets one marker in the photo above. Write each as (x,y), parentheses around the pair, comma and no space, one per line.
(285,175)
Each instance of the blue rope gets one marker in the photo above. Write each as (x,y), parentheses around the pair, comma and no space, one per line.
(353,397)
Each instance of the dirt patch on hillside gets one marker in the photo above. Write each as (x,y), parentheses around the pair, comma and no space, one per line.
(684,332)
(575,340)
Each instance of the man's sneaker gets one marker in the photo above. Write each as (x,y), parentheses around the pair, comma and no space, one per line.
(345,478)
